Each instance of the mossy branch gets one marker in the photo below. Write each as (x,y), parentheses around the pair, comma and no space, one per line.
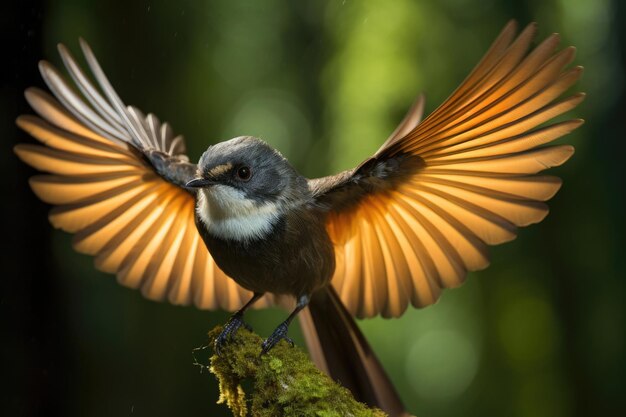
(282,383)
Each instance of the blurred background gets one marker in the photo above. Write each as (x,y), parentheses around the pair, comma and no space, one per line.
(539,333)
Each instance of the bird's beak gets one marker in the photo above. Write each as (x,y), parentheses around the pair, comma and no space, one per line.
(199,183)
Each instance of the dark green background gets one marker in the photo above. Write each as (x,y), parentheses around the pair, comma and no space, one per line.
(539,333)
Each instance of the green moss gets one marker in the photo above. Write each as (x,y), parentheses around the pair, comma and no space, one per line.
(284,382)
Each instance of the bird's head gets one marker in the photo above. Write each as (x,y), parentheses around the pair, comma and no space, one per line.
(244,180)
(246,165)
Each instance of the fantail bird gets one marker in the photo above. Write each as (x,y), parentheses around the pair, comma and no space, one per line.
(407,222)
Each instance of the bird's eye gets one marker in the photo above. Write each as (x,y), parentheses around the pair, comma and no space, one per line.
(244,173)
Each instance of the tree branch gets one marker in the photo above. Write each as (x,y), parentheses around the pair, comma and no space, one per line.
(282,383)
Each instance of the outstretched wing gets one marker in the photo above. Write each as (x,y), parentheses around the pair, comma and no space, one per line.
(420,213)
(116,178)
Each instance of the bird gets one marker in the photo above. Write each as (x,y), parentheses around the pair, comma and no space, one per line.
(242,227)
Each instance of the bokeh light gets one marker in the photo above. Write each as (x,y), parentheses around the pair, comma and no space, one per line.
(441,365)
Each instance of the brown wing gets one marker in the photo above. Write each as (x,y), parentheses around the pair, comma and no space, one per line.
(418,215)
(116,180)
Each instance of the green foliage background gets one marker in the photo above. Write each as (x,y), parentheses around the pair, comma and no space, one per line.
(539,333)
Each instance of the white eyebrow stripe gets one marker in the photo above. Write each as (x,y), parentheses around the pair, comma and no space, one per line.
(220,169)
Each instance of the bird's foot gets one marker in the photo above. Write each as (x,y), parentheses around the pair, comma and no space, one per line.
(277,335)
(230,328)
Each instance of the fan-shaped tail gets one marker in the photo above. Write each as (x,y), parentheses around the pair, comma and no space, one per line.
(338,347)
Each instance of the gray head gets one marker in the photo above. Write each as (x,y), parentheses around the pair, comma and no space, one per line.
(244,187)
(248,165)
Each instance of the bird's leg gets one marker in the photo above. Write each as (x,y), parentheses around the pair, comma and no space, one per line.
(234,323)
(281,331)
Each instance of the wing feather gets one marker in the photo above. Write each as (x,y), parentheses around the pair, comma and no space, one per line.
(352,289)
(55,189)
(66,163)
(480,72)
(138,222)
(89,91)
(518,212)
(133,269)
(183,268)
(77,216)
(420,214)
(489,226)
(48,108)
(384,292)
(528,162)
(460,242)
(424,257)
(158,275)
(72,102)
(113,253)
(396,268)
(539,188)
(203,280)
(498,73)
(93,238)
(65,141)
(373,268)
(503,101)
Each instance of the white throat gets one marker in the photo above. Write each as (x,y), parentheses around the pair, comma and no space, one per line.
(228,214)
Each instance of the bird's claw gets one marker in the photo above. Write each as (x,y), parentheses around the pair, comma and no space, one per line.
(280,333)
(230,328)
